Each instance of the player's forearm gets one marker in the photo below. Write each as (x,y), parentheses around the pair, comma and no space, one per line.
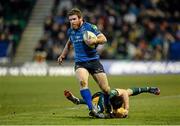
(64,52)
(126,101)
(66,49)
(101,39)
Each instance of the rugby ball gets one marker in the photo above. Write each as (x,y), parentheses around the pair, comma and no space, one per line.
(89,35)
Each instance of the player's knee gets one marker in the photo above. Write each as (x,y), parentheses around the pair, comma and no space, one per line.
(83,84)
(106,90)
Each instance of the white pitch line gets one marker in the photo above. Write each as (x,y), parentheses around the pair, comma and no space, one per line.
(170,96)
(76,107)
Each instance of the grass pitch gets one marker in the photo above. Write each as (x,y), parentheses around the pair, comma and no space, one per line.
(40,100)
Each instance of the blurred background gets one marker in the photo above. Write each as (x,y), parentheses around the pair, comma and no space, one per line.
(140,33)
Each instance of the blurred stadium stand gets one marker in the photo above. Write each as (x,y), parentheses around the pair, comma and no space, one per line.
(143,30)
(14,15)
(136,29)
(33,31)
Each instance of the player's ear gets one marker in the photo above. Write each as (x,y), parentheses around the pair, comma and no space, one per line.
(81,19)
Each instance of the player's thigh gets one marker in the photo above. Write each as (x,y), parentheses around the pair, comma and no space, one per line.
(102,80)
(82,76)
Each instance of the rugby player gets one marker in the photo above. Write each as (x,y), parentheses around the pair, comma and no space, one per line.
(86,58)
(119,98)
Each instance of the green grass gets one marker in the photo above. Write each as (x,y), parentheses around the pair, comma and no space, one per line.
(40,100)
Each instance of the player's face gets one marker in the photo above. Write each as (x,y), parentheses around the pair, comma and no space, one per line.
(75,21)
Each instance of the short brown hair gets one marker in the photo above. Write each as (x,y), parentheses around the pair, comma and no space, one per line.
(75,11)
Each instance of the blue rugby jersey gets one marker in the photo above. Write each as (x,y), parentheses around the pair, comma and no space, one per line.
(83,52)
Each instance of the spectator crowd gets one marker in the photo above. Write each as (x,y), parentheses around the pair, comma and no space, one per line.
(135,29)
(14,15)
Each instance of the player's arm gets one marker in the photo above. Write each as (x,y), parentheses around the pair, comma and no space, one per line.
(126,99)
(124,94)
(101,39)
(64,52)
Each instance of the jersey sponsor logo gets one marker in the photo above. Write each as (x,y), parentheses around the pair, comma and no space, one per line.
(78,37)
(72,32)
(94,27)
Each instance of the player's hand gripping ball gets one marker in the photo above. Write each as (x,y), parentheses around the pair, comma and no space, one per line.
(89,38)
(121,113)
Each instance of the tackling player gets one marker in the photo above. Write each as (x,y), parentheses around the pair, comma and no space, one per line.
(86,58)
(119,98)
